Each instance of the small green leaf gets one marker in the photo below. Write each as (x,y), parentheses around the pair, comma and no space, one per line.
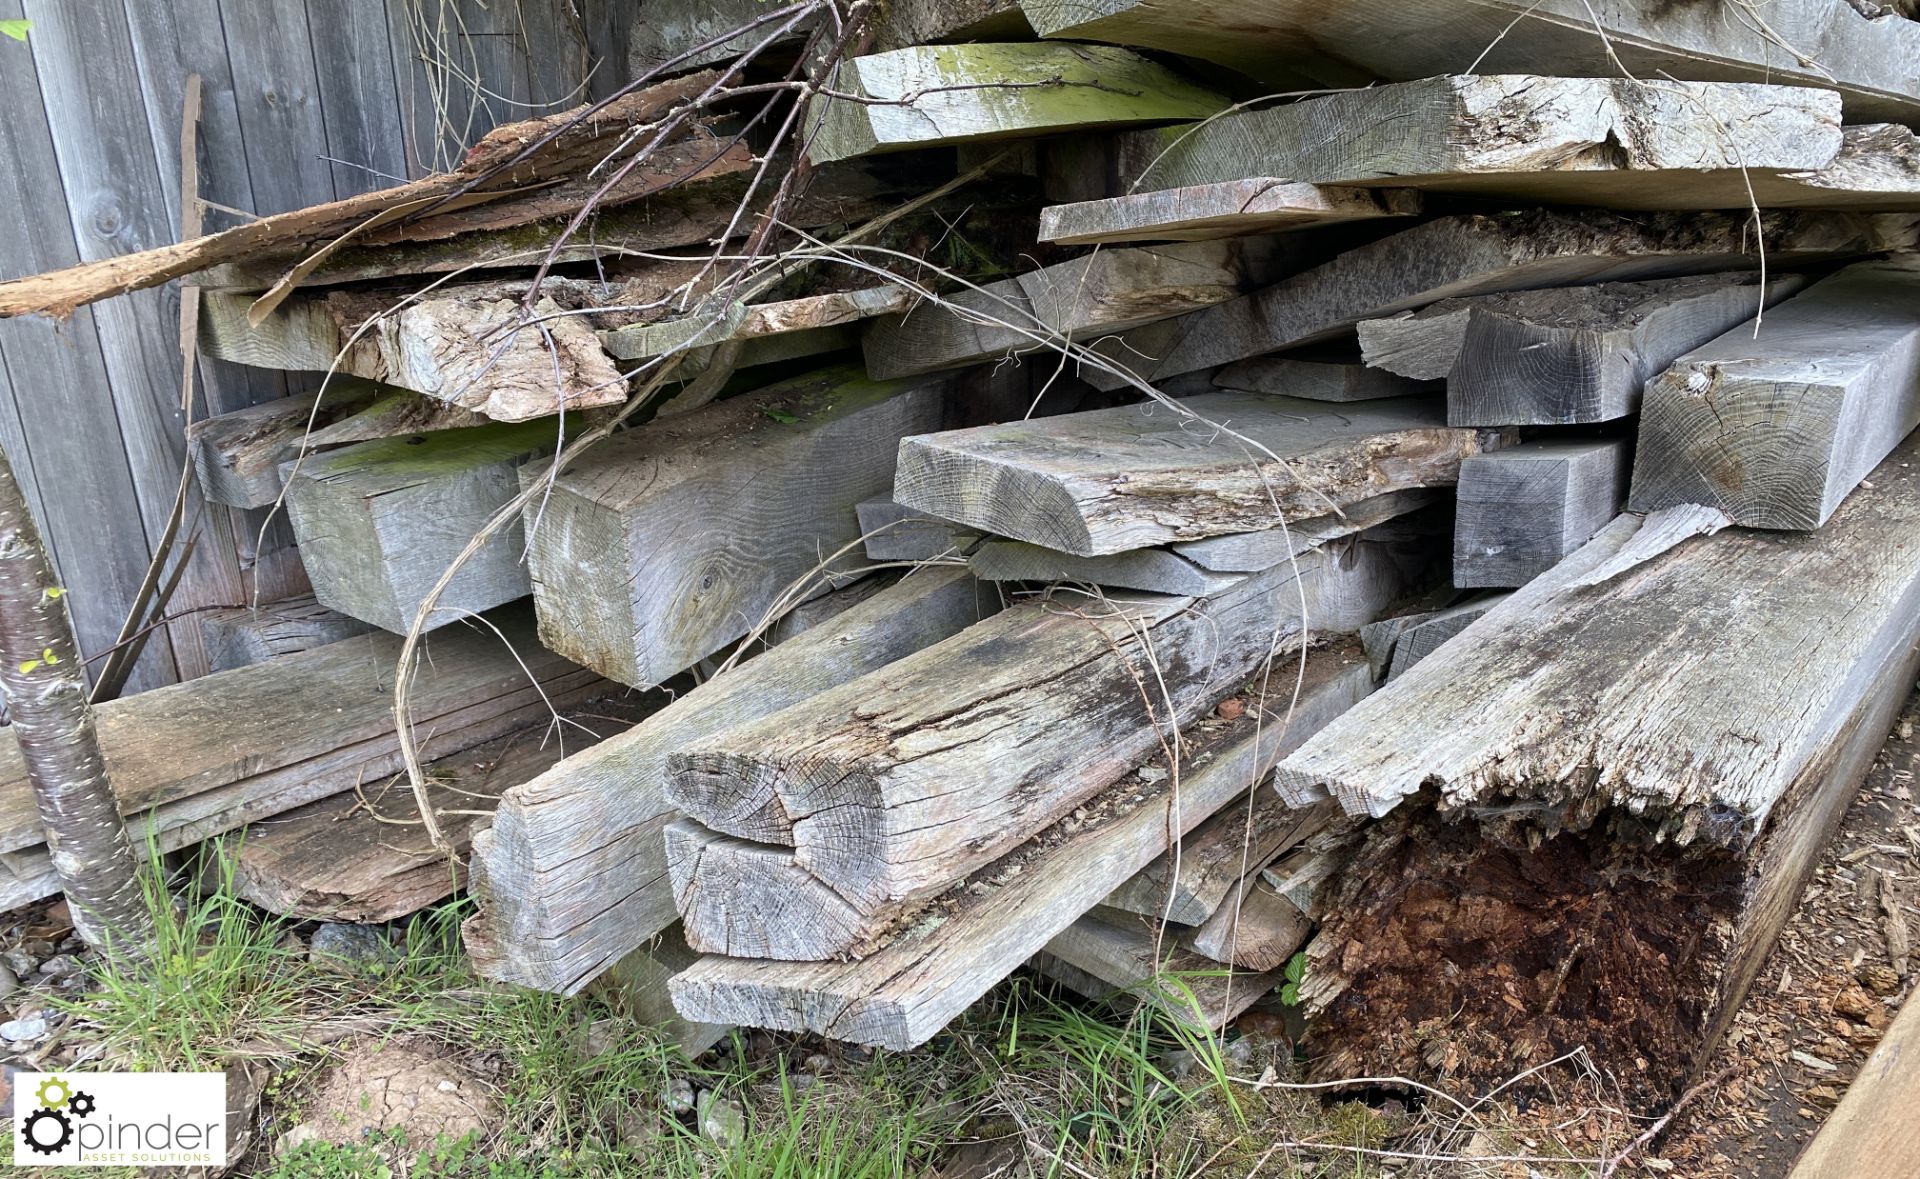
(1290,994)
(54,593)
(28,666)
(781,415)
(17,29)
(49,656)
(1297,968)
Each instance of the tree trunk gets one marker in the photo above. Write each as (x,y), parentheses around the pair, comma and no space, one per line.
(46,688)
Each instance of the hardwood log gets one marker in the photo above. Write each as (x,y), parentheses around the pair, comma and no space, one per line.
(1481,254)
(1255,928)
(1190,884)
(1776,430)
(1230,207)
(908,98)
(1612,142)
(241,636)
(667,542)
(1150,474)
(1825,43)
(572,876)
(1319,380)
(1521,510)
(380,522)
(1420,345)
(813,832)
(906,992)
(236,456)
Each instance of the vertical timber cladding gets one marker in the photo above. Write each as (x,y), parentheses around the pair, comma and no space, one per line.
(667,542)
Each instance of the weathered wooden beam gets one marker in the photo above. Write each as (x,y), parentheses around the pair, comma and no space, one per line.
(1665,720)
(1825,43)
(1584,354)
(1159,571)
(667,542)
(1480,254)
(923,96)
(675,29)
(1250,552)
(1867,1135)
(1776,430)
(1319,380)
(1420,345)
(572,875)
(1244,836)
(905,993)
(1521,510)
(813,832)
(241,636)
(894,533)
(237,455)
(637,987)
(1184,986)
(1155,473)
(755,322)
(1255,928)
(1423,636)
(380,522)
(1229,207)
(1612,142)
(1107,291)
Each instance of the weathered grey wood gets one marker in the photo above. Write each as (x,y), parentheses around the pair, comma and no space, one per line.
(1228,207)
(572,876)
(1664,720)
(1116,479)
(1241,837)
(1614,142)
(1184,986)
(1107,291)
(813,831)
(1521,510)
(895,533)
(1423,637)
(241,636)
(1480,254)
(1250,552)
(1255,928)
(1318,380)
(665,543)
(1158,571)
(759,321)
(1419,345)
(1826,43)
(674,28)
(392,412)
(847,594)
(925,96)
(237,456)
(1583,354)
(905,993)
(636,987)
(1776,430)
(380,522)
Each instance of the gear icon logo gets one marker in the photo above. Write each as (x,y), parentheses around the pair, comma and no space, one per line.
(81,1104)
(47,1131)
(48,1100)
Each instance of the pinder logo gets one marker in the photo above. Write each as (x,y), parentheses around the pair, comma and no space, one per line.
(120,1119)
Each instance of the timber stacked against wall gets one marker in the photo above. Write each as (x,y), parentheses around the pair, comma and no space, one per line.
(1134,532)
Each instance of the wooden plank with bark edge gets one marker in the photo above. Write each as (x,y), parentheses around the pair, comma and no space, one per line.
(1518,512)
(364,856)
(908,98)
(240,636)
(1241,837)
(665,543)
(380,522)
(812,832)
(572,876)
(1184,986)
(1868,1136)
(902,995)
(1224,208)
(1422,637)
(1255,928)
(1107,291)
(237,456)
(1250,552)
(1584,354)
(1159,571)
(1318,380)
(1291,43)
(1657,725)
(1612,142)
(1473,254)
(1776,430)
(1134,476)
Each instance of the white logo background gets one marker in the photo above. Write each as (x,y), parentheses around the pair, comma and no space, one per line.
(119,1119)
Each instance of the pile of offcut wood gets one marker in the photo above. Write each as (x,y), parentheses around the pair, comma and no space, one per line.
(1092,516)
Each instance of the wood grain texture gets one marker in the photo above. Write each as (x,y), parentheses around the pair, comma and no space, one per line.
(813,831)
(1776,430)
(894,533)
(1637,700)
(237,456)
(1480,254)
(1189,884)
(667,542)
(756,322)
(1107,291)
(1110,480)
(926,96)
(1255,928)
(1229,207)
(1823,43)
(1423,636)
(636,987)
(241,636)
(1189,988)
(1518,512)
(380,522)
(1250,552)
(1157,571)
(572,874)
(905,993)
(1319,380)
(1591,141)
(1584,354)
